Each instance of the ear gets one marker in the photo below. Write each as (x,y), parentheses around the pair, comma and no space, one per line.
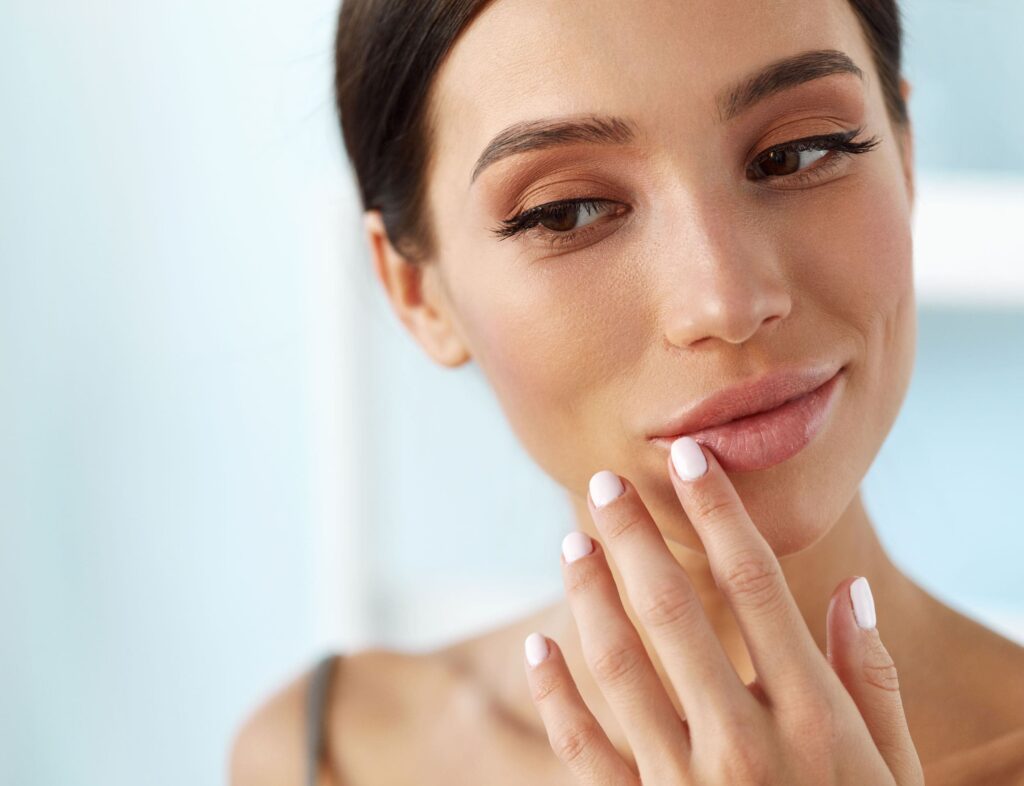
(417,295)
(907,144)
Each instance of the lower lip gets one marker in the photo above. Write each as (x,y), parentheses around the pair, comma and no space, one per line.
(768,438)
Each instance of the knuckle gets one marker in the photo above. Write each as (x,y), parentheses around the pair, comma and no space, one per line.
(815,724)
(583,576)
(754,580)
(713,507)
(666,604)
(543,687)
(736,730)
(738,741)
(574,742)
(624,524)
(808,703)
(742,763)
(617,664)
(878,668)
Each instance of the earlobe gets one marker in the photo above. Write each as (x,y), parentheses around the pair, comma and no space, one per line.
(415,296)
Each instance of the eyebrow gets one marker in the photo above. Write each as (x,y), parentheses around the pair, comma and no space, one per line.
(731,102)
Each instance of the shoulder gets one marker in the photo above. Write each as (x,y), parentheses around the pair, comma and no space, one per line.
(382,701)
(987,667)
(979,704)
(998,761)
(374,696)
(269,746)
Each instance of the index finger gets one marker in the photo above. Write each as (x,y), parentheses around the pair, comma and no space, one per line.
(745,569)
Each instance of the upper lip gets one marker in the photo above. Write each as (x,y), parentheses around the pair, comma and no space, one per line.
(768,391)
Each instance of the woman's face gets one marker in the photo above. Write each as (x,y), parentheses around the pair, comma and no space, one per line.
(685,276)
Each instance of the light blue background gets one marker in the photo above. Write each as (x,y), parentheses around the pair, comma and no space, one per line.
(159,163)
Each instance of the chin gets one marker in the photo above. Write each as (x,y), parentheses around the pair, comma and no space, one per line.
(790,518)
(794,504)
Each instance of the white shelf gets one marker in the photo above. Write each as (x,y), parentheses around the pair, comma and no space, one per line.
(968,241)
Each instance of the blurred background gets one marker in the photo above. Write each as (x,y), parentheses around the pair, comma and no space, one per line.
(217,444)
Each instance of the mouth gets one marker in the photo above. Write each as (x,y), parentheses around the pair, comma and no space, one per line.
(766,436)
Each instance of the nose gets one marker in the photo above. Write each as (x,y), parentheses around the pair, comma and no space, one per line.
(725,282)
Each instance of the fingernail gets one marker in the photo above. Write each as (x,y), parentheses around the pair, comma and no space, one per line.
(576,544)
(536,647)
(604,487)
(863,603)
(688,458)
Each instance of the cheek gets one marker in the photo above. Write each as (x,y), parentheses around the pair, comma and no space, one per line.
(867,284)
(853,252)
(554,344)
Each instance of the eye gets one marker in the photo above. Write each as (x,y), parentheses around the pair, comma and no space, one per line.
(789,161)
(561,223)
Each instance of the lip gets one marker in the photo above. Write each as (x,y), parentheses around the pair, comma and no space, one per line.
(763,423)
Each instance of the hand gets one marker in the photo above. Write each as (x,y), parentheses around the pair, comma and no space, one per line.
(806,719)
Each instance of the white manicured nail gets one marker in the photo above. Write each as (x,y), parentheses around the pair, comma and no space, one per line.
(688,458)
(863,603)
(604,487)
(576,544)
(536,647)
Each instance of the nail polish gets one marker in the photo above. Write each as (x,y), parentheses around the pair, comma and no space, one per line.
(688,458)
(604,487)
(863,603)
(575,545)
(536,647)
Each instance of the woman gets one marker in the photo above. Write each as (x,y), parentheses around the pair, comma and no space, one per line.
(642,221)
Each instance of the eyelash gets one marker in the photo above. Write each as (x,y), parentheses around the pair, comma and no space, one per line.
(840,144)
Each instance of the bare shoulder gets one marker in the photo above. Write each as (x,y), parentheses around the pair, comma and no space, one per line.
(430,718)
(269,745)
(999,762)
(991,665)
(378,699)
(388,711)
(979,708)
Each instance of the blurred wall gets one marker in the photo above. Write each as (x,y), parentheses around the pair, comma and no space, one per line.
(175,217)
(217,445)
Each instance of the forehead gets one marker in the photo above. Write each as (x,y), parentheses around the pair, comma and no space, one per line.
(662,62)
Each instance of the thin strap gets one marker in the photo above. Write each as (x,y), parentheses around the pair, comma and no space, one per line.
(316,705)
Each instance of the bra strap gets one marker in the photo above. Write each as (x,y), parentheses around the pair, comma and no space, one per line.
(316,705)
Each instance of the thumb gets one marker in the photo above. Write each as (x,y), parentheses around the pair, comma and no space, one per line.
(863,664)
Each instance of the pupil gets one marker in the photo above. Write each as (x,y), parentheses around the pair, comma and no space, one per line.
(782,162)
(562,221)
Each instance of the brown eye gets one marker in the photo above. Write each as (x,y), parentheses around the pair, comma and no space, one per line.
(562,220)
(784,161)
(565,218)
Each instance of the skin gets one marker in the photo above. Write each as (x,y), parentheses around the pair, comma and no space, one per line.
(708,279)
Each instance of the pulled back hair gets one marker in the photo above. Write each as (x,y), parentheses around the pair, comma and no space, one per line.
(386,53)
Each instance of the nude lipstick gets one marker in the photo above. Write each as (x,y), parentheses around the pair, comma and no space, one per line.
(760,425)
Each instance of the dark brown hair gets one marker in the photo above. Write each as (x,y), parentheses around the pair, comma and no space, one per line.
(385,57)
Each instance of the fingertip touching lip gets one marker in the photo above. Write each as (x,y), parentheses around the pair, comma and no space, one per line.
(766,392)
